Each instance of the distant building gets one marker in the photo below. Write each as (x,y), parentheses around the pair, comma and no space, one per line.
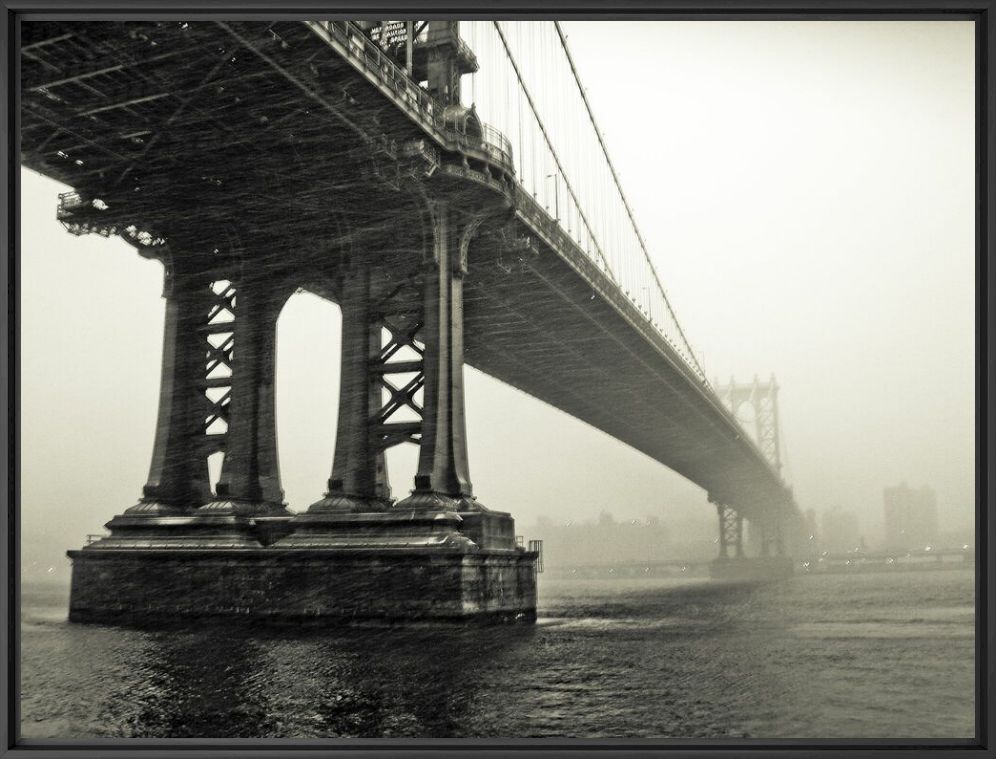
(910,517)
(839,531)
(604,541)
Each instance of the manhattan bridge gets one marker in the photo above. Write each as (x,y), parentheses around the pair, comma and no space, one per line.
(447,185)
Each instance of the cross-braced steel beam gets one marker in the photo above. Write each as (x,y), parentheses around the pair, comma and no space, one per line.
(400,395)
(178,475)
(379,342)
(762,398)
(731,531)
(216,384)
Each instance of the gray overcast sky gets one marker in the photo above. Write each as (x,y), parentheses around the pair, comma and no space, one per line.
(806,189)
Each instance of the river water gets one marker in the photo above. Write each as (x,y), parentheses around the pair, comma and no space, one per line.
(834,656)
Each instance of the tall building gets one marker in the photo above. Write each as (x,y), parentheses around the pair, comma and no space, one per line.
(910,517)
(840,531)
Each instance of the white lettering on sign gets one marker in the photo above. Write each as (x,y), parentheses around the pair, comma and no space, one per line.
(389,33)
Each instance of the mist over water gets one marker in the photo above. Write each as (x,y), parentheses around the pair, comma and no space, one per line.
(807,197)
(806,191)
(845,656)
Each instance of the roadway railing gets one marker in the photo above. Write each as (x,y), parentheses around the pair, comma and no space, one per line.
(593,270)
(370,58)
(497,145)
(367,56)
(599,278)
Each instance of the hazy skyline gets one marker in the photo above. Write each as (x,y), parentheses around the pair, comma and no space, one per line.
(807,192)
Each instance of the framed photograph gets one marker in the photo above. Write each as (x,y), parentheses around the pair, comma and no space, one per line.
(493,379)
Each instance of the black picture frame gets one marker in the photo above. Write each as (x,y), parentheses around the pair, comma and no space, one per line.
(982,12)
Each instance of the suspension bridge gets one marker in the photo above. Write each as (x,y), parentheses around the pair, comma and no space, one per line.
(444,182)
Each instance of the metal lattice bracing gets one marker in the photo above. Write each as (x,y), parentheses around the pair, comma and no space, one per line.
(731,531)
(762,400)
(400,394)
(151,124)
(219,338)
(398,367)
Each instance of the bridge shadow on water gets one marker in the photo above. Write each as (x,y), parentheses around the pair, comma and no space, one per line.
(238,680)
(220,678)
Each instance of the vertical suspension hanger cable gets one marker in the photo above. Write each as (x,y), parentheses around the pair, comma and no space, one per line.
(532,104)
(622,196)
(473,76)
(518,103)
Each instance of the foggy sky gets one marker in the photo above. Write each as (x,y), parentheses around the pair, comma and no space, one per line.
(806,190)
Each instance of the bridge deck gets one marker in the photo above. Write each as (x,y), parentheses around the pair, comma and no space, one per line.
(204,130)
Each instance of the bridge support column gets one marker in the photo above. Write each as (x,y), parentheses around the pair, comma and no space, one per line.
(731,540)
(765,550)
(442,482)
(178,474)
(211,400)
(441,510)
(739,545)
(355,510)
(730,531)
(249,486)
(358,482)
(770,540)
(178,481)
(779,537)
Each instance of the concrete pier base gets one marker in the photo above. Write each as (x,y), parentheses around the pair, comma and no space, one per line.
(759,569)
(389,566)
(296,585)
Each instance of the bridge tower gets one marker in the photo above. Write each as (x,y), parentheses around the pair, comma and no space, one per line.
(762,399)
(336,157)
(394,255)
(768,529)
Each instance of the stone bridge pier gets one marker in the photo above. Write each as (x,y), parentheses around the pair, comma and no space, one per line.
(356,553)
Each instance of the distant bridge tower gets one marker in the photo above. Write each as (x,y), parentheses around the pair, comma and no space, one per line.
(768,536)
(762,397)
(339,158)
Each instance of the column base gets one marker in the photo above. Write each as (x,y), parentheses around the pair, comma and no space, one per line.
(303,586)
(377,530)
(152,508)
(488,529)
(755,569)
(340,503)
(428,501)
(219,524)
